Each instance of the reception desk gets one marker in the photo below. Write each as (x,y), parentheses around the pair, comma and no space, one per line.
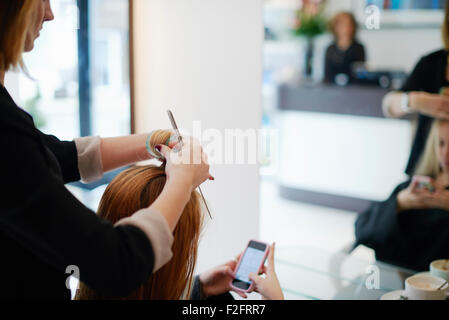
(337,149)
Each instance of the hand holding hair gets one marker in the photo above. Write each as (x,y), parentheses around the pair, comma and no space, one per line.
(187,164)
(163,144)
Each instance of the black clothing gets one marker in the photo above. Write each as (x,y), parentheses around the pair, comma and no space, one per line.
(429,75)
(197,293)
(411,239)
(44,228)
(338,61)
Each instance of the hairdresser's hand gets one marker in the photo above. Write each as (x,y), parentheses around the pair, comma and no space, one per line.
(415,197)
(217,280)
(434,105)
(188,164)
(268,287)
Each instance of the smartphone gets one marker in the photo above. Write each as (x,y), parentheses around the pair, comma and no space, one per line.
(425,183)
(252,260)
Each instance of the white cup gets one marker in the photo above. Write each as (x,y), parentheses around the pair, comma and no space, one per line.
(440,269)
(423,287)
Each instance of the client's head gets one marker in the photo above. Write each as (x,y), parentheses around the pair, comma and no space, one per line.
(135,189)
(344,25)
(435,158)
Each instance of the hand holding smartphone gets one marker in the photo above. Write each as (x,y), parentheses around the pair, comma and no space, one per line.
(251,261)
(424,183)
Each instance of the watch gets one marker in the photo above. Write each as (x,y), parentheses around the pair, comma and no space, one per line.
(405,103)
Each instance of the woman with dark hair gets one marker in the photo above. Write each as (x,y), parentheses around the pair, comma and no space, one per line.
(44,229)
(423,94)
(345,50)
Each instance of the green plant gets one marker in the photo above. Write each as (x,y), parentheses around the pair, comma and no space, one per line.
(310,19)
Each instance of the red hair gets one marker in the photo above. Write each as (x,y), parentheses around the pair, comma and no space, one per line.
(138,188)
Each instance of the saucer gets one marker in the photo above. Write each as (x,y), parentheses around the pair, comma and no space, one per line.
(393,295)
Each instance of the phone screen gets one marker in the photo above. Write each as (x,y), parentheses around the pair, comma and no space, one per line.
(251,261)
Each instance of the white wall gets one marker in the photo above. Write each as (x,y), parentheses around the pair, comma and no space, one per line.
(396,49)
(393,48)
(203,59)
(345,155)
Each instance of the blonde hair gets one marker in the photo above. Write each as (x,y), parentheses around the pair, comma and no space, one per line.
(429,164)
(138,188)
(445,27)
(15,16)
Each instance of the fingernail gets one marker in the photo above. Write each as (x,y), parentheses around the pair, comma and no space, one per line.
(158,147)
(211,178)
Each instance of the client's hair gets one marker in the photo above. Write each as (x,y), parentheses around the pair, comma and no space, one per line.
(135,189)
(429,164)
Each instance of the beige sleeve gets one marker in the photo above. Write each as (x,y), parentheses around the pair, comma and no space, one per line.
(90,165)
(158,232)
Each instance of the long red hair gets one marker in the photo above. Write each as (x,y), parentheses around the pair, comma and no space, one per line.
(135,189)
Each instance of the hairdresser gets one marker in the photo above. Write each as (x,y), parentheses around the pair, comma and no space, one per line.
(425,94)
(44,229)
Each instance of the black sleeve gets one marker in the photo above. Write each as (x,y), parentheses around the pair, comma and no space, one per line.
(378,227)
(197,293)
(37,211)
(417,80)
(66,154)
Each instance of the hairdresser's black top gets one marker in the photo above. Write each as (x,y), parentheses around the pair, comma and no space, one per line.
(338,61)
(44,228)
(429,75)
(411,239)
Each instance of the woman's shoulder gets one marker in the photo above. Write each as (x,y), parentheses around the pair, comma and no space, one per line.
(358,44)
(10,113)
(403,185)
(435,57)
(331,46)
(15,123)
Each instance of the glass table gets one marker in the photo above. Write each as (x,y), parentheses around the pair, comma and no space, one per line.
(314,274)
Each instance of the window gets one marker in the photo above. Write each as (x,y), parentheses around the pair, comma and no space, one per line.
(80,67)
(79,81)
(109,59)
(52,95)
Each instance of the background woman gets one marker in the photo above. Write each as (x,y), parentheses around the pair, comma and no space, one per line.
(421,94)
(345,50)
(43,228)
(411,228)
(138,188)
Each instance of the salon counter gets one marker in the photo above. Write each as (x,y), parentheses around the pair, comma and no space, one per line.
(355,100)
(338,150)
